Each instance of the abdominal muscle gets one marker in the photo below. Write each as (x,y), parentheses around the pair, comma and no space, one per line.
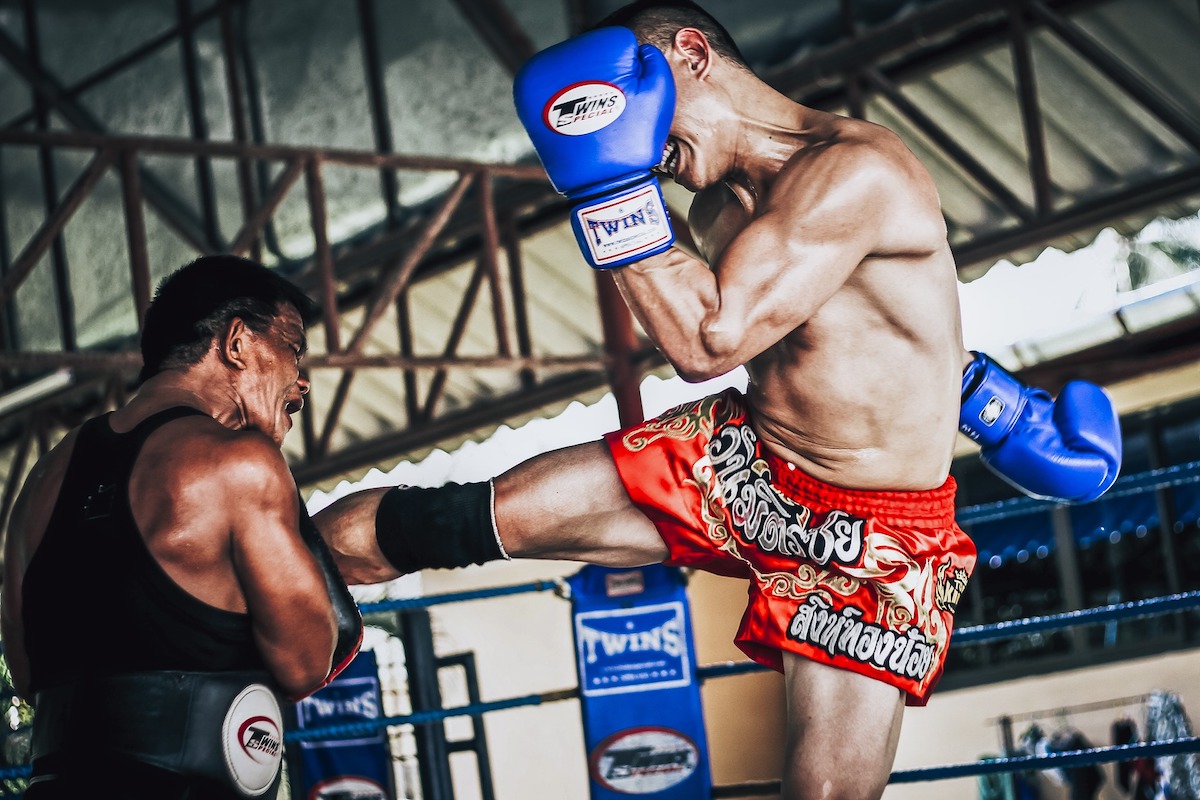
(860,402)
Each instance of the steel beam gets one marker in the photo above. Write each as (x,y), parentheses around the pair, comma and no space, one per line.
(52,227)
(135,234)
(1173,187)
(499,30)
(1137,87)
(170,207)
(1031,112)
(178,146)
(377,95)
(323,255)
(237,115)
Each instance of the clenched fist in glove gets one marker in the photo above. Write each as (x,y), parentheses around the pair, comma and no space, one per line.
(1066,449)
(598,108)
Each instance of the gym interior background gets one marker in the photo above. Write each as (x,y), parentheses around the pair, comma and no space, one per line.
(370,152)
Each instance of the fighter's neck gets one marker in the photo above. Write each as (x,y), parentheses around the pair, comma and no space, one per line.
(771,132)
(172,388)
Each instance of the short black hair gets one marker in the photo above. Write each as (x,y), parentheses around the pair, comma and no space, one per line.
(195,303)
(657,21)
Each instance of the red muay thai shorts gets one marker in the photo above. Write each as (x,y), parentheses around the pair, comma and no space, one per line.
(866,581)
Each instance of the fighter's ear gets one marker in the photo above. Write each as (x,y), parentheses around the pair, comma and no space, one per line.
(692,48)
(232,343)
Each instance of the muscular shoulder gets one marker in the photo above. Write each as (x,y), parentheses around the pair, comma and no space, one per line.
(866,173)
(250,460)
(855,157)
(233,464)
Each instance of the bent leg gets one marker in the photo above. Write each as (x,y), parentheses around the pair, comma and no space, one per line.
(348,526)
(570,504)
(843,728)
(567,504)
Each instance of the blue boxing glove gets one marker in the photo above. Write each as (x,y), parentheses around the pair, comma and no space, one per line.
(1066,449)
(598,109)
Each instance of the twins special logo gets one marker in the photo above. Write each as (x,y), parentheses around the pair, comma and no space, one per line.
(260,740)
(644,760)
(253,740)
(627,217)
(632,650)
(348,787)
(584,108)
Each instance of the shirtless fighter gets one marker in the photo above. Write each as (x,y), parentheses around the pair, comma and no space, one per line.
(826,485)
(163,583)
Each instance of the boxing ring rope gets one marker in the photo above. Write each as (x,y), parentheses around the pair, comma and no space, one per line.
(1062,760)
(965,636)
(405,603)
(1148,481)
(1133,484)
(973,635)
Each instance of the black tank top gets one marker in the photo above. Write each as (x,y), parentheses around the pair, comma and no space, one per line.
(94,598)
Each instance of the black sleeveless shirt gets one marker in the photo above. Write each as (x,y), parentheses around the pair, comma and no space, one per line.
(94,598)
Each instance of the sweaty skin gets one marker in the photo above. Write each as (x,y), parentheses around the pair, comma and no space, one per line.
(828,276)
(213,499)
(827,273)
(832,281)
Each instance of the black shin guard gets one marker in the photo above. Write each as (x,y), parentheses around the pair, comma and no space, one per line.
(449,526)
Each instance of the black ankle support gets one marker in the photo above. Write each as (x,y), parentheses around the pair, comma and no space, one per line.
(449,526)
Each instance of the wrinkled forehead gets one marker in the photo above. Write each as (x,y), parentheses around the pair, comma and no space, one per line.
(289,323)
(288,318)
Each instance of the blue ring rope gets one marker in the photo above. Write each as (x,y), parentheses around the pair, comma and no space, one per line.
(1063,760)
(404,603)
(1117,611)
(416,718)
(1152,480)
(1164,478)
(1137,608)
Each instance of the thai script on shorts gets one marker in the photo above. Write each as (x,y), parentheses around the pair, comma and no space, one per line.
(767,519)
(846,634)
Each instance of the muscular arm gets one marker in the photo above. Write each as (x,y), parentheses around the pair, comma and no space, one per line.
(292,618)
(821,220)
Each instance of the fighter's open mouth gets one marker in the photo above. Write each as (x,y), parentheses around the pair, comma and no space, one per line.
(670,159)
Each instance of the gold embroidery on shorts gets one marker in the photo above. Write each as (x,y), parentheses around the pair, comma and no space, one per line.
(951,582)
(683,422)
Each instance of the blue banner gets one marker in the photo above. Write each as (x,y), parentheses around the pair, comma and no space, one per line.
(358,767)
(642,717)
